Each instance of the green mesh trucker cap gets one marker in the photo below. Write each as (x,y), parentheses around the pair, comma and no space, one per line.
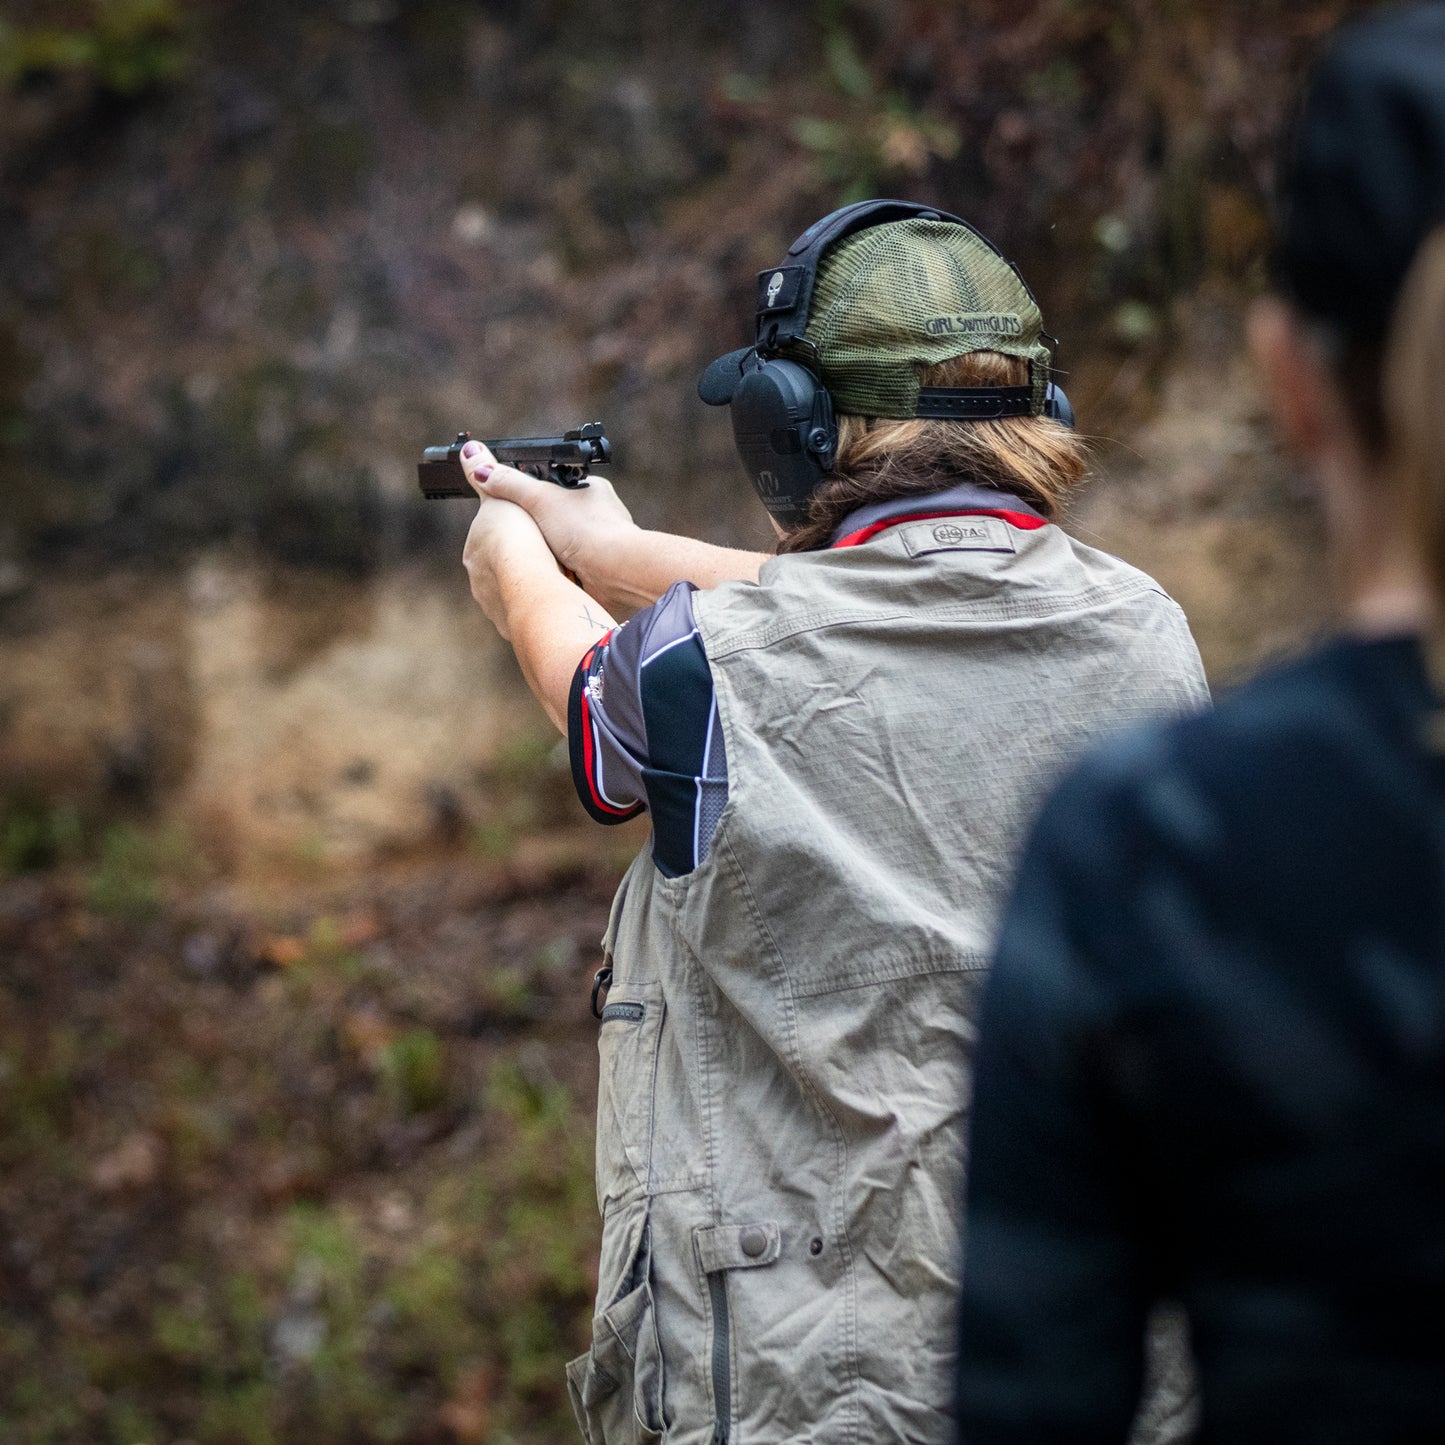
(896,297)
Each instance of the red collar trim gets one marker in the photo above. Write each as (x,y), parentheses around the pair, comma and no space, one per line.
(1024,521)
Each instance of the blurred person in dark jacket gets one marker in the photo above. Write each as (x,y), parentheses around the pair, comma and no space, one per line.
(1212,1058)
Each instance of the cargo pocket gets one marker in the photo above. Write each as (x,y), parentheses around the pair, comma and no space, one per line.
(616,1387)
(627,1043)
(720,1249)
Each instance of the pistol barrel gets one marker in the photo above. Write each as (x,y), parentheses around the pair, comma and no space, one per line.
(564,460)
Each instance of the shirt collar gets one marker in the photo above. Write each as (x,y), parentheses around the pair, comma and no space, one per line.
(961,498)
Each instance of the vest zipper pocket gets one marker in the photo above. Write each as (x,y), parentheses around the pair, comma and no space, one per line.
(633,1013)
(629,1035)
(717,1290)
(724,1249)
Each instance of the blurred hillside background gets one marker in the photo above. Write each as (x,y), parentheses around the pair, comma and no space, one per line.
(297,915)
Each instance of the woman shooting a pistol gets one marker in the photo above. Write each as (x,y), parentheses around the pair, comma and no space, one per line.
(839,747)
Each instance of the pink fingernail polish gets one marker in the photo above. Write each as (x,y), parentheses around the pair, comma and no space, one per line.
(471,449)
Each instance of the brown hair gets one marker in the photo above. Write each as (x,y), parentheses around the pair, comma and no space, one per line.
(1415,425)
(1033,458)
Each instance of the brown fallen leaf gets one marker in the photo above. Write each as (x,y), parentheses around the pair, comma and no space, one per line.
(132,1164)
(368,1033)
(282,950)
(468,1413)
(360,928)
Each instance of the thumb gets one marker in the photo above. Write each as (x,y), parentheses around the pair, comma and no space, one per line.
(477,463)
(513,486)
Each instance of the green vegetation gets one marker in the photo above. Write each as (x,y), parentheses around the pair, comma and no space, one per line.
(529,788)
(126,877)
(37,1089)
(126,46)
(357,1336)
(268,1187)
(872,132)
(124,867)
(35,834)
(414,1068)
(358,1331)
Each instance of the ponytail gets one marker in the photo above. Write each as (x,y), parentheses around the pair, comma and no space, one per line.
(1414,398)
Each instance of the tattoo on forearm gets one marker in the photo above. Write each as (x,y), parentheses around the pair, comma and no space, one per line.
(587,617)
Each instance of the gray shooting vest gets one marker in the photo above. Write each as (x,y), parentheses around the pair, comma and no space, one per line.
(784,1076)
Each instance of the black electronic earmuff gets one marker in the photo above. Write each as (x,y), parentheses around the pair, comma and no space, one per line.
(782,414)
(785,432)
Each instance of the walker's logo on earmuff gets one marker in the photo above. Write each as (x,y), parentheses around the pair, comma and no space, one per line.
(998,324)
(774,286)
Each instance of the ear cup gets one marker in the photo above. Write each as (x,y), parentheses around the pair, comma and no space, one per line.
(786,435)
(1057,406)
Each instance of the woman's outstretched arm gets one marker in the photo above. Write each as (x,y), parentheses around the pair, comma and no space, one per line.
(592,534)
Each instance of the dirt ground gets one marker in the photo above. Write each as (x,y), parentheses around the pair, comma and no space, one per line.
(287,1157)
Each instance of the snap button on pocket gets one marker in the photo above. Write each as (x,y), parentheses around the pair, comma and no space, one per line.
(738,1246)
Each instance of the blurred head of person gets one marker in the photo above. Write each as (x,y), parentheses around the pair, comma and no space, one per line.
(902,313)
(1351,345)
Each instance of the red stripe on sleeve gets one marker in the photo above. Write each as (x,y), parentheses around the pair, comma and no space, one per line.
(589,748)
